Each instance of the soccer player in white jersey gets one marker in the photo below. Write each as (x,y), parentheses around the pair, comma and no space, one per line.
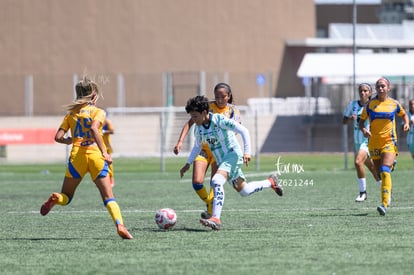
(410,135)
(218,132)
(352,113)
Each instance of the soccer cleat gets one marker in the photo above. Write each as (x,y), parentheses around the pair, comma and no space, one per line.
(123,232)
(361,197)
(275,184)
(205,215)
(47,205)
(208,213)
(213,223)
(382,210)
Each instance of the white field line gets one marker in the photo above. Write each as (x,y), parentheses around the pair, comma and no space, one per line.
(224,210)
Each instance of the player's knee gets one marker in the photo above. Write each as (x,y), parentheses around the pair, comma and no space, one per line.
(197,186)
(244,193)
(385,169)
(218,179)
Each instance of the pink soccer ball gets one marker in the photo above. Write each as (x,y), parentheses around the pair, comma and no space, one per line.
(165,218)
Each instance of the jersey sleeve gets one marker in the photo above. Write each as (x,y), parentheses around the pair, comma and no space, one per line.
(196,147)
(99,115)
(65,123)
(401,112)
(364,114)
(238,128)
(348,110)
(236,114)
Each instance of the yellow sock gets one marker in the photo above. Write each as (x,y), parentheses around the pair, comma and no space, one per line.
(201,192)
(386,187)
(63,199)
(210,201)
(211,194)
(114,211)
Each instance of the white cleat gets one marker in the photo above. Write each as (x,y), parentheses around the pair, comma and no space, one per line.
(361,197)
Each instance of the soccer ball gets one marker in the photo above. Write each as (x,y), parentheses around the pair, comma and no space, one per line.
(165,218)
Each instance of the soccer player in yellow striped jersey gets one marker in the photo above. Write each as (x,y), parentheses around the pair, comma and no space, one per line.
(223,104)
(88,154)
(381,112)
(352,114)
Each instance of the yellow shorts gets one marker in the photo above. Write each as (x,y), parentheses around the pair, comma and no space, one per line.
(205,155)
(84,160)
(376,152)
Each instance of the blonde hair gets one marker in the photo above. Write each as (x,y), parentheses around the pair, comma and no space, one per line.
(87,92)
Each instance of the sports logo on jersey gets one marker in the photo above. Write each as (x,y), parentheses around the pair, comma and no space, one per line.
(212,141)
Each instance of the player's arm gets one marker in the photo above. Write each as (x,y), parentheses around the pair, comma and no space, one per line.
(183,134)
(194,153)
(348,115)
(347,119)
(244,132)
(99,141)
(361,126)
(60,137)
(406,121)
(110,128)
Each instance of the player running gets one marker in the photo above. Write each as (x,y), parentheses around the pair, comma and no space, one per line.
(88,155)
(218,132)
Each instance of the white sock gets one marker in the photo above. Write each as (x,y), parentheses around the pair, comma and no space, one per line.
(362,185)
(379,183)
(217,183)
(255,186)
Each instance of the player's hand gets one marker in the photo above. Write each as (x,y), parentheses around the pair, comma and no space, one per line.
(366,132)
(107,157)
(177,148)
(184,169)
(68,141)
(406,127)
(246,159)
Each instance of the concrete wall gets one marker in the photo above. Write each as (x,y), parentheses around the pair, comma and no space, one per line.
(141,39)
(136,135)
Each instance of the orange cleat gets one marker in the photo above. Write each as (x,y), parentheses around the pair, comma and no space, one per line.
(214,223)
(47,205)
(123,232)
(275,184)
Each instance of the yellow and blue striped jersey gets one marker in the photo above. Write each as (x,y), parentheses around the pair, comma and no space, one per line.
(382,117)
(229,111)
(79,122)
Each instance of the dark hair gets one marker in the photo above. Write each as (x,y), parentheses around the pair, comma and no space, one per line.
(365,84)
(227,88)
(197,104)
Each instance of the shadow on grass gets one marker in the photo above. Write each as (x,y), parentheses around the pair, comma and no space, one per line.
(47,239)
(156,230)
(340,215)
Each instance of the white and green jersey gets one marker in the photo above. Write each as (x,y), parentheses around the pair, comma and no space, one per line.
(220,136)
(410,135)
(355,108)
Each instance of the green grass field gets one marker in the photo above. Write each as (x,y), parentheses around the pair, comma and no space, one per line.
(315,228)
